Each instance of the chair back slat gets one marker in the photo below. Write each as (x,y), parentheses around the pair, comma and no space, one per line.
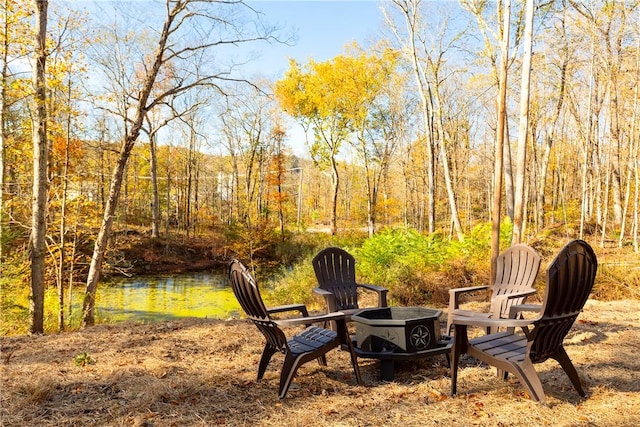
(273,334)
(248,295)
(335,271)
(246,291)
(516,271)
(570,279)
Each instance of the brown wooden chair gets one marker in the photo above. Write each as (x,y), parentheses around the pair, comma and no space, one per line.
(516,271)
(570,279)
(312,343)
(335,271)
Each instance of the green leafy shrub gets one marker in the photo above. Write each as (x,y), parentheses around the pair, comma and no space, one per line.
(404,261)
(391,253)
(420,269)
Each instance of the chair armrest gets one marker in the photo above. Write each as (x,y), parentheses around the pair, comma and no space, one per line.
(515,309)
(311,319)
(290,307)
(521,294)
(322,292)
(381,291)
(454,295)
(490,322)
(329,298)
(468,289)
(374,288)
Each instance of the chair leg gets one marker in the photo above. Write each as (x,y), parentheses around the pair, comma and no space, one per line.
(322,360)
(563,358)
(453,304)
(504,375)
(354,363)
(267,353)
(289,369)
(530,380)
(454,372)
(347,344)
(459,347)
(449,322)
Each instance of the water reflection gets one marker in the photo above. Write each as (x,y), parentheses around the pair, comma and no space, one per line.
(165,297)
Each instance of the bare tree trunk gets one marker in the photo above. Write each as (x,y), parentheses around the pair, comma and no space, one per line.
(95,268)
(583,186)
(431,165)
(4,114)
(102,173)
(40,152)
(635,137)
(409,9)
(278,158)
(605,214)
(167,209)
(370,182)
(614,128)
(299,207)
(587,145)
(63,213)
(521,161)
(636,196)
(372,201)
(453,205)
(550,140)
(627,193)
(281,220)
(335,181)
(72,264)
(153,127)
(508,172)
(542,180)
(497,170)
(153,166)
(196,189)
(190,172)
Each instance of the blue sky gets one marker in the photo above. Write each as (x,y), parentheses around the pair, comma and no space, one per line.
(323,27)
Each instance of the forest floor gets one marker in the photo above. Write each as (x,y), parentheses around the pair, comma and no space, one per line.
(202,372)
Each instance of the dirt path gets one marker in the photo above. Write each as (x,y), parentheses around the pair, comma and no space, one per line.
(202,373)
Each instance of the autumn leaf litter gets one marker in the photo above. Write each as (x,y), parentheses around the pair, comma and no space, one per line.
(200,372)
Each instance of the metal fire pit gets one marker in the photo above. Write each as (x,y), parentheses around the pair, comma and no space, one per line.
(399,333)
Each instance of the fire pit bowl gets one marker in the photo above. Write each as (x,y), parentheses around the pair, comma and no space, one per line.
(397,329)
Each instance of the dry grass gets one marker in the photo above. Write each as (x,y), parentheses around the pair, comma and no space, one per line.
(202,373)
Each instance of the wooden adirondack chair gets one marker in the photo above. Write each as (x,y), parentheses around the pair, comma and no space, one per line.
(312,343)
(336,274)
(516,271)
(570,279)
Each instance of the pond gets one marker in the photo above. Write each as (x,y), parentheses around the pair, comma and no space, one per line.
(152,299)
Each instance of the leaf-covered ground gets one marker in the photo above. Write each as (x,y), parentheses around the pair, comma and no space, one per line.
(198,372)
